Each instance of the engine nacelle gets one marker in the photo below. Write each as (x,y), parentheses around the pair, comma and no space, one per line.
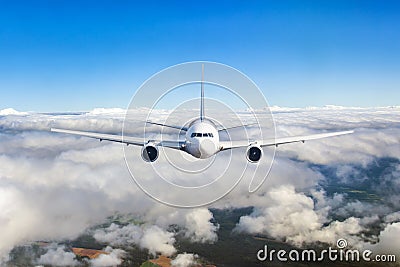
(150,153)
(254,153)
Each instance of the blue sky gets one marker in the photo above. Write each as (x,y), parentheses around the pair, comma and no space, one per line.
(78,55)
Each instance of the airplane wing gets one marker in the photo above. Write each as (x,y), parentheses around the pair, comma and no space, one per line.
(239,126)
(279,141)
(122,139)
(169,126)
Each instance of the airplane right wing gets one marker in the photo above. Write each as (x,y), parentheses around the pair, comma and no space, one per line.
(294,139)
(108,137)
(239,126)
(279,141)
(169,126)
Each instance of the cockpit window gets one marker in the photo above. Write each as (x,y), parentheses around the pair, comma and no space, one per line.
(201,135)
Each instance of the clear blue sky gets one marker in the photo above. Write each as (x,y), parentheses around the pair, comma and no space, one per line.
(78,55)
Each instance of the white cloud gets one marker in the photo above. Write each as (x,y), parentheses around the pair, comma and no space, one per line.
(113,258)
(58,257)
(184,260)
(293,217)
(392,217)
(199,228)
(389,242)
(107,111)
(156,240)
(152,238)
(286,214)
(376,134)
(11,111)
(119,235)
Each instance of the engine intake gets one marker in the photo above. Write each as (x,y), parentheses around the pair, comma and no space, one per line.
(150,153)
(254,153)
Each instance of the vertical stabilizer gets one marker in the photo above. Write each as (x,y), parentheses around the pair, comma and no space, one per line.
(202,94)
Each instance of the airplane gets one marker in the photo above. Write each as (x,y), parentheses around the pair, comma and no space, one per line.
(202,138)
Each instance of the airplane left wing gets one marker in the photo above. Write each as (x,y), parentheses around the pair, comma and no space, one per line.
(279,141)
(294,139)
(122,139)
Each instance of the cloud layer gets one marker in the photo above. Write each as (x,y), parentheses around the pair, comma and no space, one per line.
(55,187)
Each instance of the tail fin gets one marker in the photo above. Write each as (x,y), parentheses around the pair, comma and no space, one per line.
(202,94)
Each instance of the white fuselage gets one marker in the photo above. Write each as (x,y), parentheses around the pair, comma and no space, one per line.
(202,139)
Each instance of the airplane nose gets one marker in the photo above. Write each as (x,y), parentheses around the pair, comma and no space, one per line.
(207,148)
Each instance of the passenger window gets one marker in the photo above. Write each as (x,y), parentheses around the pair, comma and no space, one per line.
(193,135)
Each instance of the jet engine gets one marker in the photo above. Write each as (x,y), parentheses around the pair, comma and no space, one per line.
(254,153)
(150,153)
